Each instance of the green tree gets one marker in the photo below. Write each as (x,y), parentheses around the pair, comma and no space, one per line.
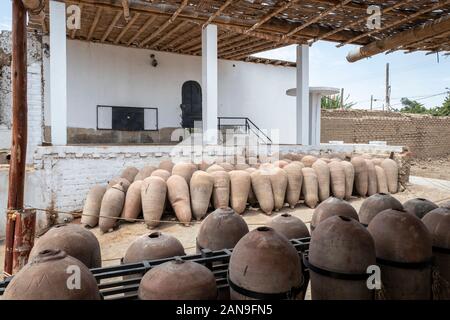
(334,102)
(444,110)
(412,106)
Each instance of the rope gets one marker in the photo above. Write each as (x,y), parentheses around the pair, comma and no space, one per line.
(128,219)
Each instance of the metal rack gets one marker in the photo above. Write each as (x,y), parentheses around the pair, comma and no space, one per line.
(122,281)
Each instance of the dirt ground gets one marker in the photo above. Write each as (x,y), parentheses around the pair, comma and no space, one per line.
(114,244)
(432,168)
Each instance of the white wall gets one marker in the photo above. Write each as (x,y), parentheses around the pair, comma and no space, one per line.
(112,75)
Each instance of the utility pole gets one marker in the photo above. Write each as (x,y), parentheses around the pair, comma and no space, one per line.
(342,99)
(371,102)
(388,89)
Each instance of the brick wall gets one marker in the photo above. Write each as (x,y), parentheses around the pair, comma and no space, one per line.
(35,96)
(425,136)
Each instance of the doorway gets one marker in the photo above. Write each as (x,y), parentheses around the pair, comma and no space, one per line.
(191,104)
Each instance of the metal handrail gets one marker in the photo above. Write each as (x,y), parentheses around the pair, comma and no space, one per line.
(248,126)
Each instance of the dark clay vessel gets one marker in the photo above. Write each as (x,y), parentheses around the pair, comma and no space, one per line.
(375,204)
(153,246)
(289,226)
(178,280)
(438,223)
(419,206)
(221,229)
(75,240)
(332,207)
(46,277)
(341,245)
(264,262)
(403,247)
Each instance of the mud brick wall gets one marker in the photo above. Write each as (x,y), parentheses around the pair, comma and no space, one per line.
(424,135)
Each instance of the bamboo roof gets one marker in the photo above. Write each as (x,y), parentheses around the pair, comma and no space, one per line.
(246,27)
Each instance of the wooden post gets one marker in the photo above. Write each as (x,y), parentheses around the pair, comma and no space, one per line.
(25,226)
(19,127)
(388,89)
(371,102)
(342,99)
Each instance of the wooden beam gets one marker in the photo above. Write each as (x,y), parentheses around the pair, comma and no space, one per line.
(142,29)
(217,13)
(363,19)
(19,127)
(226,37)
(396,23)
(257,34)
(168,34)
(196,47)
(270,15)
(177,41)
(422,43)
(239,25)
(127,27)
(165,25)
(74,31)
(314,20)
(230,42)
(249,50)
(94,23)
(195,39)
(126,10)
(419,33)
(112,25)
(236,49)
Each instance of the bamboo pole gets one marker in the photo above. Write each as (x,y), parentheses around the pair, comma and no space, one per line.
(240,25)
(314,20)
(94,23)
(361,20)
(270,15)
(165,25)
(142,29)
(422,32)
(19,127)
(111,26)
(126,10)
(217,13)
(127,27)
(397,22)
(168,34)
(177,41)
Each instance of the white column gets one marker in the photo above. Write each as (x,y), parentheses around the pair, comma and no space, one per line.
(314,122)
(58,73)
(303,118)
(209,84)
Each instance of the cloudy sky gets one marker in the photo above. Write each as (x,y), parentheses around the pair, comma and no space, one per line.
(416,75)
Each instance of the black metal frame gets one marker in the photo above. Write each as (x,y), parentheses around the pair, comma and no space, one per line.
(122,281)
(143,108)
(249,126)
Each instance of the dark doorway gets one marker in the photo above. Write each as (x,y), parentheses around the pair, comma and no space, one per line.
(191,105)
